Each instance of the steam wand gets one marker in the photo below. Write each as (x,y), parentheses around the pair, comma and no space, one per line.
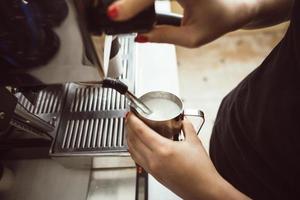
(123,89)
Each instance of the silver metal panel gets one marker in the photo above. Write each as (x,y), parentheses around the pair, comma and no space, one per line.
(117,184)
(45,179)
(48,107)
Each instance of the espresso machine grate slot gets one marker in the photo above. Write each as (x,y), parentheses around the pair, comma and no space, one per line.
(100,133)
(97,99)
(95,119)
(125,51)
(49,100)
(51,103)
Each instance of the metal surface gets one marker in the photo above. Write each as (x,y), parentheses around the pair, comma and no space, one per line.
(33,120)
(92,121)
(114,184)
(45,179)
(166,127)
(169,127)
(33,124)
(138,103)
(141,187)
(29,129)
(48,107)
(195,113)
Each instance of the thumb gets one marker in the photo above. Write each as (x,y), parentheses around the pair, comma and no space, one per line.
(189,130)
(167,34)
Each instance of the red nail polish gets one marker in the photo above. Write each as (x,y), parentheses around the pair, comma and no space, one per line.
(141,39)
(112,12)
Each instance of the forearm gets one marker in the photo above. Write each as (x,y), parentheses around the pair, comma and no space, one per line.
(217,188)
(268,12)
(227,191)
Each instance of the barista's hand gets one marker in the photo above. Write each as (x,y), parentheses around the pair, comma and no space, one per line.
(203,20)
(183,166)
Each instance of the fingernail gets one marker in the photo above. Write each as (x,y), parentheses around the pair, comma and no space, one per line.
(140,170)
(141,39)
(126,115)
(112,12)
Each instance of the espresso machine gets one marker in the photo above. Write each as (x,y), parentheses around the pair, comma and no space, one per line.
(53,54)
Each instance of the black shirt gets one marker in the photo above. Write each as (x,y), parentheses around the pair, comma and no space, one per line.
(255,143)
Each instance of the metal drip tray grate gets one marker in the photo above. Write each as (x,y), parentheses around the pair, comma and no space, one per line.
(97,99)
(92,120)
(90,133)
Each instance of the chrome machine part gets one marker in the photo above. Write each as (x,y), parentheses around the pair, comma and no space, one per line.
(44,114)
(138,104)
(32,120)
(29,129)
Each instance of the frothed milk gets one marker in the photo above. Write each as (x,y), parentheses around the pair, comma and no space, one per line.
(162,109)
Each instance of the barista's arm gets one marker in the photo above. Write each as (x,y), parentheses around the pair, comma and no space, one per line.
(205,21)
(270,12)
(184,167)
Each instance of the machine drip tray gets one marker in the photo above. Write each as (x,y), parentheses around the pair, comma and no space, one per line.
(92,121)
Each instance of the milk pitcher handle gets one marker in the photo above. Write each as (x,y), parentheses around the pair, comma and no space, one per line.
(195,113)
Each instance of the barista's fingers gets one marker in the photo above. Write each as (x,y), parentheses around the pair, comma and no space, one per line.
(136,155)
(180,35)
(189,131)
(150,138)
(135,144)
(125,9)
